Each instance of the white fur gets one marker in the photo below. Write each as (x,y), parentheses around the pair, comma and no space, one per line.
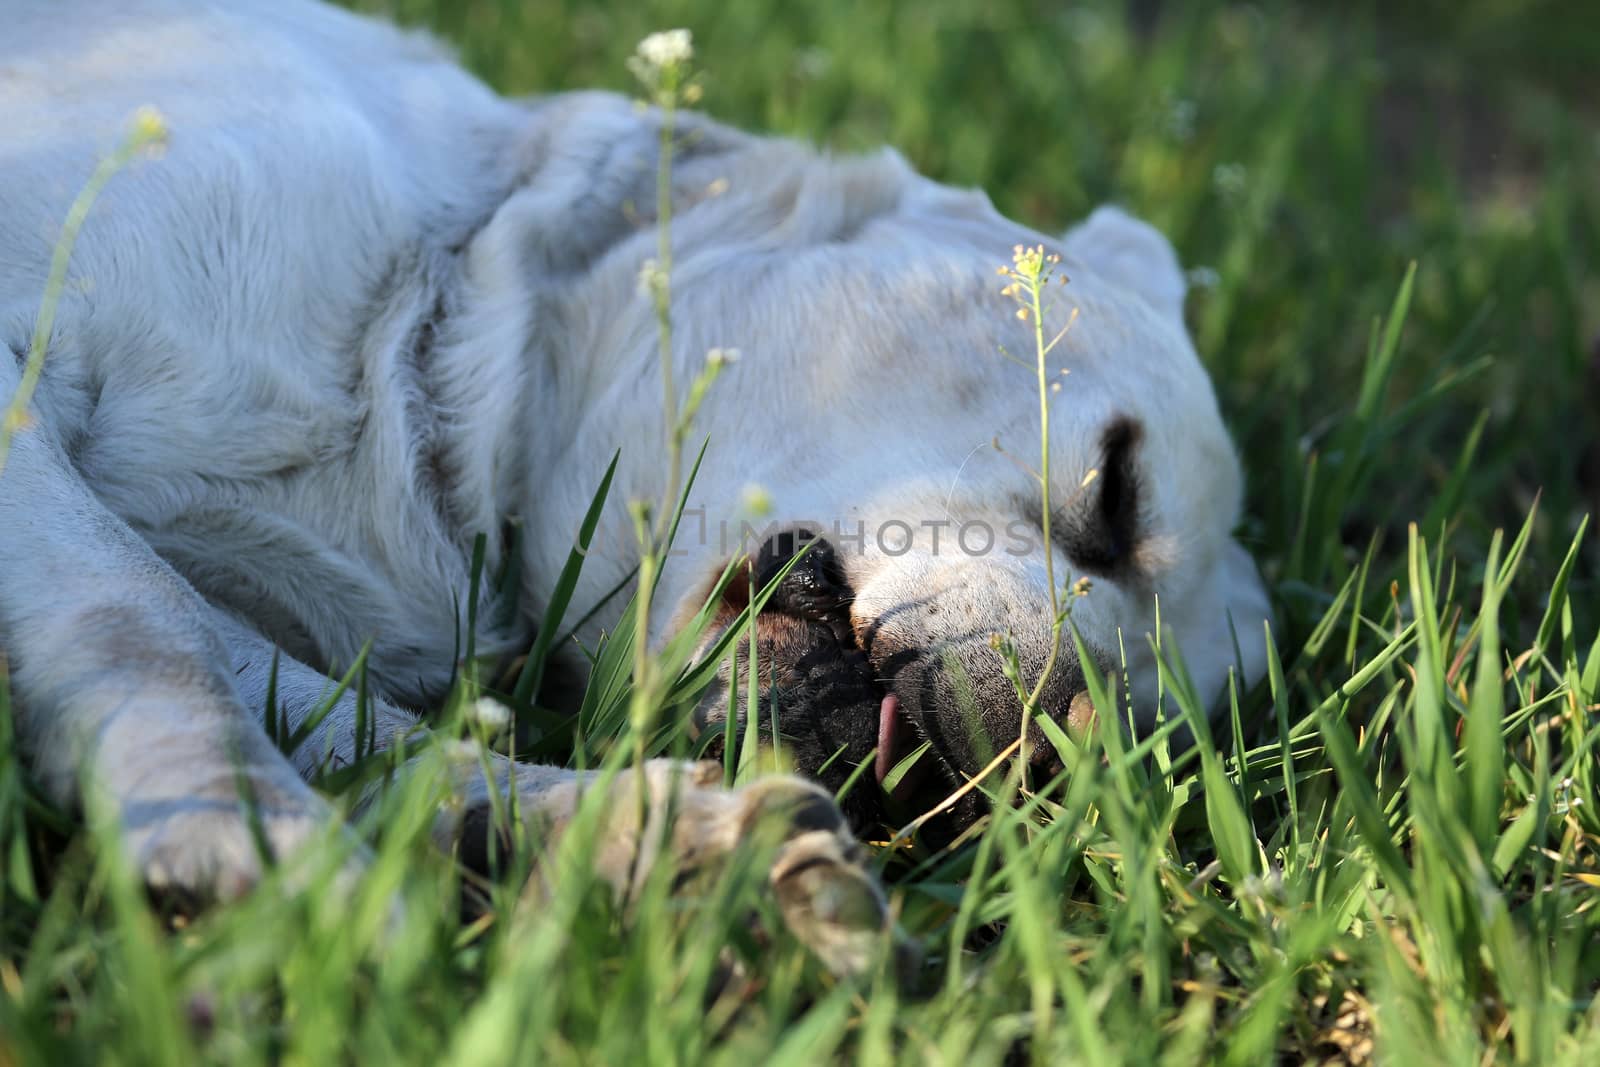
(242,405)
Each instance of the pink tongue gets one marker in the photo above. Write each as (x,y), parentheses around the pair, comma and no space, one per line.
(888,720)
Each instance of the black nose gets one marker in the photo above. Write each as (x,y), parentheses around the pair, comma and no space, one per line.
(814,587)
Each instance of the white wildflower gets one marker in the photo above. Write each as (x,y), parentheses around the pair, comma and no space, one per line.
(722,357)
(489,715)
(666,48)
(1229,179)
(458,752)
(757,501)
(148,126)
(1180,120)
(812,63)
(651,278)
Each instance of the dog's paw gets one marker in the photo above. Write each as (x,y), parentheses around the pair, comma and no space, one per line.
(817,871)
(829,900)
(217,848)
(817,874)
(685,818)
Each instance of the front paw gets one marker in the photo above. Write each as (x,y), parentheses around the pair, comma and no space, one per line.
(217,844)
(815,869)
(829,900)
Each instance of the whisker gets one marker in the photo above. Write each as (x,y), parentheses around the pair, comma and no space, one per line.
(954,482)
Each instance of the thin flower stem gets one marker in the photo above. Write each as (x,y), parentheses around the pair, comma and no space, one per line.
(147,130)
(661,63)
(663,299)
(1026,278)
(1035,285)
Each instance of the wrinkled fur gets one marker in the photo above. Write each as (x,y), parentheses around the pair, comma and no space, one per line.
(362,310)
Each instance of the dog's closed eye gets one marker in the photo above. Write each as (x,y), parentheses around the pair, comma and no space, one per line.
(1098,530)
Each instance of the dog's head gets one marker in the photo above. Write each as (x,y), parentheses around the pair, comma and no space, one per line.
(887,405)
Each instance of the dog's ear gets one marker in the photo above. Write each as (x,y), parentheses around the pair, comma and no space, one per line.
(1133,254)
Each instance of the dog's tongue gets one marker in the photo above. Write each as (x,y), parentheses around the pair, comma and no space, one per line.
(888,721)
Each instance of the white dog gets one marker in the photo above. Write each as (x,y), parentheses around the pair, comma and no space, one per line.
(363,310)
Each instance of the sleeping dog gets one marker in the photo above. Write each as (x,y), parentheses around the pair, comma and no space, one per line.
(363,310)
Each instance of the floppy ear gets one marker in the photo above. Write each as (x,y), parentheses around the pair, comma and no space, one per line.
(1133,254)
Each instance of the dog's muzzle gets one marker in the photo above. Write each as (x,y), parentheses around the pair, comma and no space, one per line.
(841,689)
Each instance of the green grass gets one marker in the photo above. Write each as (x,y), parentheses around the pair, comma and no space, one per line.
(1390,847)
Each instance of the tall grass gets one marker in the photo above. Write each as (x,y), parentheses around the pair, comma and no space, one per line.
(1385,850)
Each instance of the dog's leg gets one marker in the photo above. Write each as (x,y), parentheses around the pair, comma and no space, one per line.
(689,820)
(122,686)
